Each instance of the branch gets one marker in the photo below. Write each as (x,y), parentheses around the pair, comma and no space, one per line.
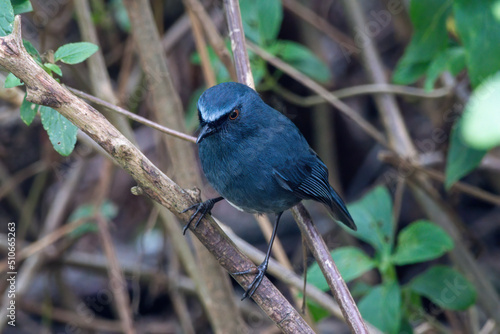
(332,275)
(309,232)
(430,201)
(320,90)
(152,182)
(237,36)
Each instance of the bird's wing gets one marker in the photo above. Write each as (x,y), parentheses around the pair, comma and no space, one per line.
(308,179)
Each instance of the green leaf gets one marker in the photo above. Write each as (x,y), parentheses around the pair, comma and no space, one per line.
(221,73)
(351,262)
(86,211)
(270,16)
(429,39)
(21,6)
(54,68)
(120,13)
(462,158)
(445,287)
(481,118)
(62,133)
(316,310)
(452,60)
(261,20)
(421,241)
(12,81)
(28,111)
(301,58)
(373,216)
(6,18)
(32,51)
(382,307)
(107,209)
(74,53)
(479,31)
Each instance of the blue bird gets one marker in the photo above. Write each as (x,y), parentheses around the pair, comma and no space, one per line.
(258,160)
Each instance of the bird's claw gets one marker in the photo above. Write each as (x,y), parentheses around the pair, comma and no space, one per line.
(203,207)
(260,270)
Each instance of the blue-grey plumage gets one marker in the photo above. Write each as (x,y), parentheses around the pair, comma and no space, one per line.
(256,158)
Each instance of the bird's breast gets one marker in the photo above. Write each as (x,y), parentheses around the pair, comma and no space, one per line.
(244,177)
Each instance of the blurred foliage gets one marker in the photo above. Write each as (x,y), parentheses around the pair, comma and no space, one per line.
(62,133)
(390,304)
(262,22)
(87,212)
(457,36)
(453,36)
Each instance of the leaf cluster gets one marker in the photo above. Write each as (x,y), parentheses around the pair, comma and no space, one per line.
(390,305)
(61,132)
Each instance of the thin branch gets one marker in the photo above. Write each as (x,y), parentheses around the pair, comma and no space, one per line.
(408,166)
(117,281)
(201,47)
(290,278)
(152,182)
(318,89)
(334,279)
(369,89)
(55,213)
(98,76)
(168,110)
(43,242)
(16,179)
(427,197)
(237,36)
(132,116)
(213,36)
(322,25)
(314,240)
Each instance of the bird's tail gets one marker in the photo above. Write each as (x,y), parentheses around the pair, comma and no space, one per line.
(339,210)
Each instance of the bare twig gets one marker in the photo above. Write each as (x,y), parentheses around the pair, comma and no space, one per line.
(76,320)
(290,278)
(408,166)
(425,195)
(318,89)
(99,77)
(137,118)
(322,25)
(237,36)
(54,217)
(314,240)
(117,281)
(15,180)
(168,110)
(322,255)
(43,242)
(201,46)
(213,36)
(310,101)
(153,183)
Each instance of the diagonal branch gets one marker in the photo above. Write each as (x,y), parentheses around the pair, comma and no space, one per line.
(309,232)
(152,182)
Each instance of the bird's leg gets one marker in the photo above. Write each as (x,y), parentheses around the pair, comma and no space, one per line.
(204,208)
(260,270)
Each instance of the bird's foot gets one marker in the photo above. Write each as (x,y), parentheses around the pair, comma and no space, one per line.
(201,208)
(260,270)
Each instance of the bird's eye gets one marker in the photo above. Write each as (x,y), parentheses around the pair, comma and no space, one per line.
(234,114)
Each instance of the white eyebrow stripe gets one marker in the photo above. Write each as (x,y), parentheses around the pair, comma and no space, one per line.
(211,117)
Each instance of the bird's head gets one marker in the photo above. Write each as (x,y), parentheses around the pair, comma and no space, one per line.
(225,106)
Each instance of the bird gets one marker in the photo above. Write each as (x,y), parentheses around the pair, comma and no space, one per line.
(258,161)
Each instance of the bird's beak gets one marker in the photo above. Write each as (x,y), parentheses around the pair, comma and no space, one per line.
(206,130)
